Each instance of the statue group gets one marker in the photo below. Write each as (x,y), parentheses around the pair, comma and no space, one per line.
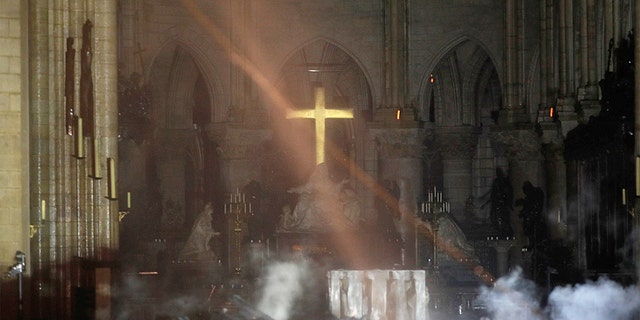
(323,205)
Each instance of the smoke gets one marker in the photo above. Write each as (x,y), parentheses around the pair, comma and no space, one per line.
(514,297)
(282,287)
(603,299)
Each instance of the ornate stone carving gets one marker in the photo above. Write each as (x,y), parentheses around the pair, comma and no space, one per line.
(517,144)
(457,143)
(237,143)
(400,143)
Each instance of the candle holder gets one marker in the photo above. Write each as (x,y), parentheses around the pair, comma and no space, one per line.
(122,214)
(237,210)
(33,229)
(432,210)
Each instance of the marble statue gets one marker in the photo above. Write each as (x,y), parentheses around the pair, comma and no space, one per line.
(452,240)
(197,246)
(323,205)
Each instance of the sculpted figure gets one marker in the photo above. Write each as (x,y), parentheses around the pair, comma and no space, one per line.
(501,204)
(322,204)
(197,246)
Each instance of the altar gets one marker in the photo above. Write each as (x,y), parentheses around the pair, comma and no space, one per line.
(378,294)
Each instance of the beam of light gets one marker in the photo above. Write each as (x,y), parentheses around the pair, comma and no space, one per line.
(353,248)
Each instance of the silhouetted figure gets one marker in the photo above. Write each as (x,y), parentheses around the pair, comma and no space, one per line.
(501,204)
(533,220)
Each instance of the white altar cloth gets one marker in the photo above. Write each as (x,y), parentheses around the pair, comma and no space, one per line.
(378,294)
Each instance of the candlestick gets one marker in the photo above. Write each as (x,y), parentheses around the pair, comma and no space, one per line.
(43,209)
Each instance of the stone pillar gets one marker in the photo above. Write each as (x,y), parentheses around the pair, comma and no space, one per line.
(502,248)
(522,149)
(588,89)
(400,151)
(514,110)
(565,103)
(457,146)
(238,147)
(79,220)
(556,186)
(39,149)
(637,121)
(396,52)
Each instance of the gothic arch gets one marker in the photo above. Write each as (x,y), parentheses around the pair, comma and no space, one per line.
(200,55)
(346,86)
(465,80)
(184,101)
(356,65)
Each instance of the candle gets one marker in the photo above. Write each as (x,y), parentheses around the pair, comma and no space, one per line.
(624,196)
(112,179)
(43,209)
(128,200)
(250,207)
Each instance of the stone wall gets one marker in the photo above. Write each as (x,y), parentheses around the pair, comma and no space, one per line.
(13,134)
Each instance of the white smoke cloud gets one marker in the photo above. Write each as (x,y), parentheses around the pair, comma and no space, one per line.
(514,297)
(600,300)
(283,285)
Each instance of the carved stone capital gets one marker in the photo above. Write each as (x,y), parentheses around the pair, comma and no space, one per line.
(518,144)
(399,143)
(458,142)
(237,143)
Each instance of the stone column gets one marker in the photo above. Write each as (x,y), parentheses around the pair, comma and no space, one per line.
(588,89)
(514,110)
(502,248)
(522,149)
(39,149)
(637,119)
(400,151)
(238,148)
(106,99)
(396,52)
(457,146)
(556,186)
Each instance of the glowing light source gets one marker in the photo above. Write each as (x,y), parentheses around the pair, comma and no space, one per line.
(432,79)
(398,112)
(320,113)
(551,112)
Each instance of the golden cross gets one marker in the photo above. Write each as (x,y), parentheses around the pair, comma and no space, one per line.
(320,113)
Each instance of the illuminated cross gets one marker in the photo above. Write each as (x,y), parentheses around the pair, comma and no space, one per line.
(319,113)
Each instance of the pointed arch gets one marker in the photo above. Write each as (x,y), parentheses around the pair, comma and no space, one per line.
(197,67)
(466,85)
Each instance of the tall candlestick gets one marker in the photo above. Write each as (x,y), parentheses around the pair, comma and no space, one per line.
(112,179)
(43,209)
